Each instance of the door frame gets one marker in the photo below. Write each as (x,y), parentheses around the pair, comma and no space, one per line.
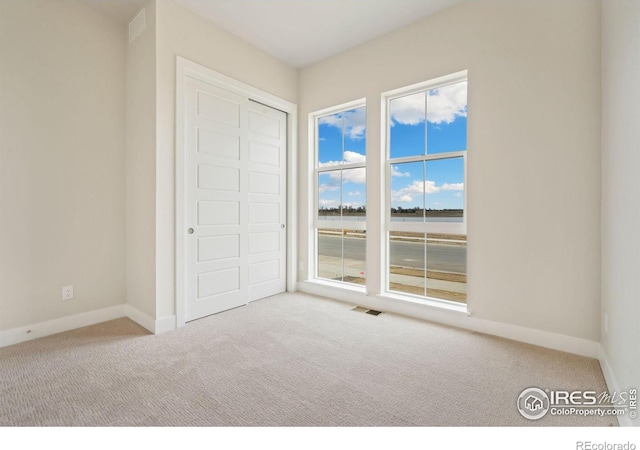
(186,68)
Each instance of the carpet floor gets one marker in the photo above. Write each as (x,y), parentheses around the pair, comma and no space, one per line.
(288,360)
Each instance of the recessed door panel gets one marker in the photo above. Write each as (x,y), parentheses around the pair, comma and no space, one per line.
(213,106)
(218,178)
(218,213)
(218,282)
(218,247)
(218,144)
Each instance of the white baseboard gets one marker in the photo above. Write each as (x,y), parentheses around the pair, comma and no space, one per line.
(144,320)
(42,329)
(165,324)
(613,386)
(569,344)
(38,330)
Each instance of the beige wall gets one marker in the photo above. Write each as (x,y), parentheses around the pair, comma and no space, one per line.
(620,188)
(62,133)
(140,167)
(180,32)
(533,143)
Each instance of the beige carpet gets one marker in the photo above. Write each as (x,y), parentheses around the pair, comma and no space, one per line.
(289,360)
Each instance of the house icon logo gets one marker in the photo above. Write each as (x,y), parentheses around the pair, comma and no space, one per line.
(533,403)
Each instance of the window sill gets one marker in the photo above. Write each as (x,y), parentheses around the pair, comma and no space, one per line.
(430,302)
(337,285)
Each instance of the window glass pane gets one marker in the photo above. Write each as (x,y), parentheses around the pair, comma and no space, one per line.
(407,262)
(354,194)
(329,200)
(447,118)
(406,125)
(354,251)
(407,192)
(342,138)
(447,267)
(446,263)
(330,140)
(329,256)
(355,127)
(444,187)
(341,255)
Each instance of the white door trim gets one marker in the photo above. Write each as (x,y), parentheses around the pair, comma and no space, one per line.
(184,69)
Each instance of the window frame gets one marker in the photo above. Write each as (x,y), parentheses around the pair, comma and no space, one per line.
(316,220)
(387,162)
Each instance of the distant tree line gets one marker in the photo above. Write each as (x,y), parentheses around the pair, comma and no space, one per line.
(429,212)
(397,211)
(347,210)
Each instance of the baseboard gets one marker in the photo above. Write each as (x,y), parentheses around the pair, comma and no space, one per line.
(569,344)
(42,329)
(165,324)
(144,320)
(613,386)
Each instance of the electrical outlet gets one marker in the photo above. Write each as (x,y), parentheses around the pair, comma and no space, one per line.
(67,292)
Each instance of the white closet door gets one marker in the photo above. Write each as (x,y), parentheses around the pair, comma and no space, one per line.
(235,200)
(267,201)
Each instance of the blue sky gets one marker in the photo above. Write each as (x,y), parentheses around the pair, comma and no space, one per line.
(348,127)
(438,183)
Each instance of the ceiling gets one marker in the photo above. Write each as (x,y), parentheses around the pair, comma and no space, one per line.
(298,32)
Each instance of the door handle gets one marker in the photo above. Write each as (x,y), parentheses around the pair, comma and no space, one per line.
(190,230)
(282,226)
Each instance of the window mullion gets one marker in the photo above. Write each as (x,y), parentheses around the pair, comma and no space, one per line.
(356,165)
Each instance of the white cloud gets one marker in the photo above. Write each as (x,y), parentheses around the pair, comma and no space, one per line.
(396,173)
(328,187)
(408,110)
(354,194)
(458,194)
(329,163)
(354,157)
(326,203)
(453,187)
(447,103)
(357,176)
(404,198)
(354,122)
(415,189)
(443,106)
(349,157)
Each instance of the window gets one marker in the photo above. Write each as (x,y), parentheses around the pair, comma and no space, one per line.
(426,143)
(340,193)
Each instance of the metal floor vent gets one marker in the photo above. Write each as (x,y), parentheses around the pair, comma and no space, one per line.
(373,312)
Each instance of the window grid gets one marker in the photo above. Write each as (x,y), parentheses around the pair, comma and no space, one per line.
(331,226)
(419,231)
